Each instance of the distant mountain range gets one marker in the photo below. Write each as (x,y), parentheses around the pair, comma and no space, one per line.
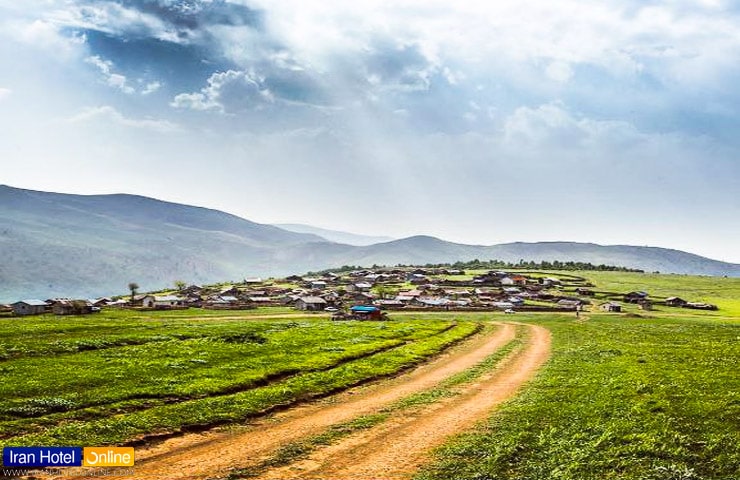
(55,244)
(334,235)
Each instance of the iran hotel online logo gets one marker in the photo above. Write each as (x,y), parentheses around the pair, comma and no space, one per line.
(31,457)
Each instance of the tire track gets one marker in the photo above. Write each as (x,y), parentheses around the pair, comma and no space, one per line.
(397,448)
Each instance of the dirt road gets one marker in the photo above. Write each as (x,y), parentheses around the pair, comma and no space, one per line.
(397,448)
(214,454)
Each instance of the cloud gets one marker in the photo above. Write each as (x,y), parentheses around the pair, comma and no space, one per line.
(109,113)
(151,87)
(43,34)
(182,22)
(112,79)
(5,93)
(226,92)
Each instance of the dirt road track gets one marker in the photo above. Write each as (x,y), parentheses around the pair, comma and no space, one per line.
(396,449)
(214,454)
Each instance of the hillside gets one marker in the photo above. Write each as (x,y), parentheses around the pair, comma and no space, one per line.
(334,235)
(424,249)
(78,245)
(58,244)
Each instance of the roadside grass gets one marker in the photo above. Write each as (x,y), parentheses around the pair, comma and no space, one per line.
(323,340)
(621,398)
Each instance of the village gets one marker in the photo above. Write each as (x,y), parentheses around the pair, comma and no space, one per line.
(371,293)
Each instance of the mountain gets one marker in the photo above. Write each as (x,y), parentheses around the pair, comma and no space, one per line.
(59,244)
(55,244)
(425,249)
(334,235)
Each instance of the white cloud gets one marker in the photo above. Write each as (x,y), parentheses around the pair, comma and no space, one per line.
(113,79)
(109,113)
(5,92)
(501,38)
(151,87)
(44,35)
(109,17)
(226,92)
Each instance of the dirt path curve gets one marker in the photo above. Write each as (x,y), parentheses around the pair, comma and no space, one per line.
(214,454)
(397,448)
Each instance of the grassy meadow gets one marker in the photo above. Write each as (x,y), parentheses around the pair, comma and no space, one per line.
(641,395)
(112,379)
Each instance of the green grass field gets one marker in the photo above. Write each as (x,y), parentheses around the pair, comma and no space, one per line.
(637,396)
(621,398)
(649,397)
(103,380)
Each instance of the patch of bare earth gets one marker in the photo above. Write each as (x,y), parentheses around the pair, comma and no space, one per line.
(398,447)
(216,453)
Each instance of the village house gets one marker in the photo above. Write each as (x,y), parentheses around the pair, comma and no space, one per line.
(585,292)
(120,303)
(675,302)
(72,307)
(311,304)
(516,301)
(230,290)
(503,305)
(513,280)
(366,312)
(645,305)
(29,307)
(431,302)
(635,297)
(168,301)
(485,292)
(361,286)
(331,297)
(358,297)
(144,301)
(390,304)
(613,307)
(700,306)
(569,304)
(405,299)
(228,302)
(260,301)
(191,290)
(101,302)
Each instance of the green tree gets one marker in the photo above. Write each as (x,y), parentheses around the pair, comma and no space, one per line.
(180,285)
(133,286)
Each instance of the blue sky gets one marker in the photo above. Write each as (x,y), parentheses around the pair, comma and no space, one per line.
(613,122)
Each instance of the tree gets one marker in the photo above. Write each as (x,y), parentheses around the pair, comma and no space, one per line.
(180,285)
(133,286)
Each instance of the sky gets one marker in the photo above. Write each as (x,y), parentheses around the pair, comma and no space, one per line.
(613,122)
